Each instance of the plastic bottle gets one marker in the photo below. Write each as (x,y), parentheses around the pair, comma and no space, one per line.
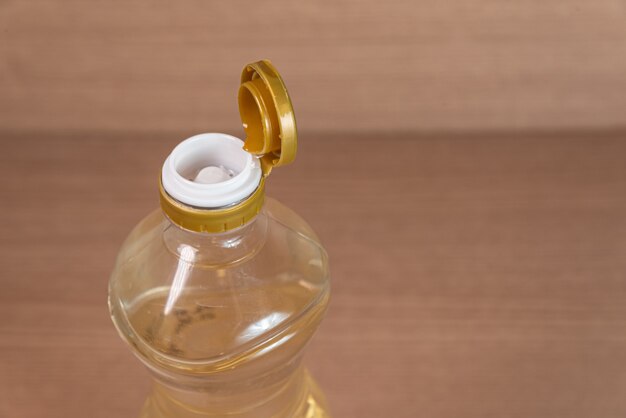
(219,292)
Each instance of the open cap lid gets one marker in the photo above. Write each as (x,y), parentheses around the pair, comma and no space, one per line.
(267,116)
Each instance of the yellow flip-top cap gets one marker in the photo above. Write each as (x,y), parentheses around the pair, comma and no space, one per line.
(270,126)
(267,116)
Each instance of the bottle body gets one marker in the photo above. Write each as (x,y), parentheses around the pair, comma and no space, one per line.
(221,320)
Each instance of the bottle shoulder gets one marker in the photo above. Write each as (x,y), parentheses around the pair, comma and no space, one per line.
(285,216)
(276,224)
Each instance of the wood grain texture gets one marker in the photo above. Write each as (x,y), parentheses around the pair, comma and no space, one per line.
(351,65)
(478,278)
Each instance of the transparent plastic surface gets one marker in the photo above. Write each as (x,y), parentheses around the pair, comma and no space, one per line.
(221,320)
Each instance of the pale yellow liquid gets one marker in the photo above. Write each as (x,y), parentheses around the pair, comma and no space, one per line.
(223,332)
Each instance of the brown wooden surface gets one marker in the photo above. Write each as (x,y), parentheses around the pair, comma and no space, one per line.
(472,278)
(362,65)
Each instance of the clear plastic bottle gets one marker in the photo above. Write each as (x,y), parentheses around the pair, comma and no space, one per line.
(219,292)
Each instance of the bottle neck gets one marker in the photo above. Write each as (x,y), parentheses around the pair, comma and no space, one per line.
(217,249)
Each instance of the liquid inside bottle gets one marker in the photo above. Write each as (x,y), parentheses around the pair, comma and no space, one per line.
(203,324)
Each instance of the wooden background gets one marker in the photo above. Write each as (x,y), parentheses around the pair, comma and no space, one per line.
(479,278)
(462,161)
(351,65)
